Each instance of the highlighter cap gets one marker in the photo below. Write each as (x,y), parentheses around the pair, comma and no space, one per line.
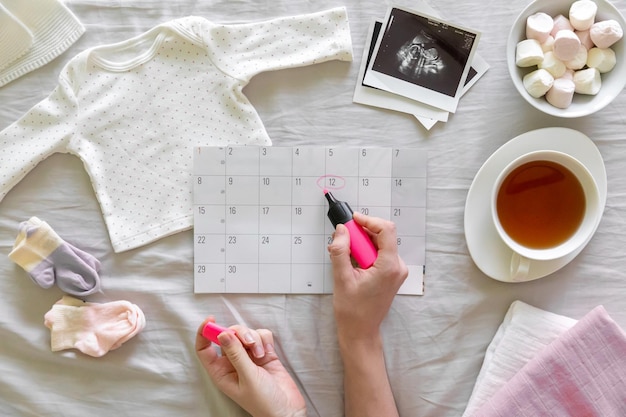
(338,211)
(212,330)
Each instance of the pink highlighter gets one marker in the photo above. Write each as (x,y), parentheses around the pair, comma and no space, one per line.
(212,330)
(361,247)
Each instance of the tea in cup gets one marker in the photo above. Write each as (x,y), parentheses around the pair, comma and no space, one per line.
(545,205)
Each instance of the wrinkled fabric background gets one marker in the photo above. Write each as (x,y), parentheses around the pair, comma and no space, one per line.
(434,343)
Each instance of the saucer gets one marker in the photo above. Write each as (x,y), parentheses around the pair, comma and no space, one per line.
(489,252)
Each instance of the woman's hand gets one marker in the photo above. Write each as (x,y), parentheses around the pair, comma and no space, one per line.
(362,297)
(250,373)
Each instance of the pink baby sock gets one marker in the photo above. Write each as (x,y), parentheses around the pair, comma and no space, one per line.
(92,328)
(49,260)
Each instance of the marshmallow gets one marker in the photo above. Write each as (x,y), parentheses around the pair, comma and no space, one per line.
(528,53)
(566,44)
(601,58)
(548,44)
(585,39)
(568,75)
(538,82)
(539,26)
(587,81)
(553,65)
(561,22)
(605,33)
(579,61)
(561,93)
(582,14)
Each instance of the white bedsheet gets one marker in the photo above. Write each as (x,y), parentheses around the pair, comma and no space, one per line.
(435,343)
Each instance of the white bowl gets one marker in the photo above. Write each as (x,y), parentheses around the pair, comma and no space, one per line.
(582,105)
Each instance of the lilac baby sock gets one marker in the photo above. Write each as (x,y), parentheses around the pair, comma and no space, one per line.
(92,328)
(48,259)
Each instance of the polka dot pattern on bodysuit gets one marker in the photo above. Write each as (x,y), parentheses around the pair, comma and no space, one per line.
(133,111)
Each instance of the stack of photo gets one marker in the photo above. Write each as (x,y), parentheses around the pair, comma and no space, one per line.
(416,63)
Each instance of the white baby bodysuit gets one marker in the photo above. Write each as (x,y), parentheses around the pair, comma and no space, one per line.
(133,111)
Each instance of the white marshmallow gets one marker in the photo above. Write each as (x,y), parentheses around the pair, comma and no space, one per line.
(580,60)
(548,44)
(560,22)
(553,65)
(585,39)
(582,14)
(528,53)
(587,81)
(605,33)
(561,93)
(539,26)
(566,44)
(538,82)
(601,58)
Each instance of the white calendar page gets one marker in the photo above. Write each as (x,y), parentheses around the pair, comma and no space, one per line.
(260,223)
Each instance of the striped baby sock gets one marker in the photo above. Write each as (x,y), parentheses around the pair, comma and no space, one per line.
(92,328)
(49,260)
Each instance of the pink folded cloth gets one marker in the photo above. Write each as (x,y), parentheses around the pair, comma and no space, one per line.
(525,331)
(581,373)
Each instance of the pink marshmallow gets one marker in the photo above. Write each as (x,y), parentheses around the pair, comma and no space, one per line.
(561,22)
(605,33)
(539,26)
(569,74)
(579,61)
(561,93)
(566,45)
(585,39)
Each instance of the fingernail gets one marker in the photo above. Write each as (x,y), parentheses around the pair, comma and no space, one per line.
(269,348)
(258,351)
(248,338)
(225,339)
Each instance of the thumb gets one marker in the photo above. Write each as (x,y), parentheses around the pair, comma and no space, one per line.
(339,251)
(236,354)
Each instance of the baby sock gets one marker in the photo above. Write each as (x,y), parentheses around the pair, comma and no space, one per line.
(92,328)
(48,259)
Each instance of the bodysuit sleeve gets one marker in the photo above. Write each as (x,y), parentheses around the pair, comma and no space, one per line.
(244,50)
(44,130)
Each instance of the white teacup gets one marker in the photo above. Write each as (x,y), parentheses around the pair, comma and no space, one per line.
(545,205)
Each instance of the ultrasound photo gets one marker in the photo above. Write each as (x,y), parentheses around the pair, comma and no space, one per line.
(424,51)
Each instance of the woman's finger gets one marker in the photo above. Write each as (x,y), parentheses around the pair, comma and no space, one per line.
(250,339)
